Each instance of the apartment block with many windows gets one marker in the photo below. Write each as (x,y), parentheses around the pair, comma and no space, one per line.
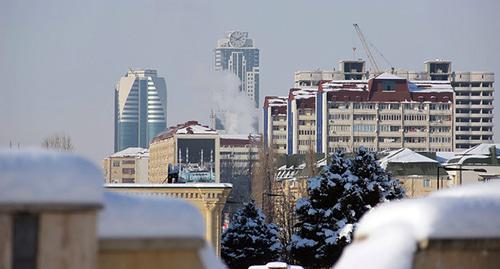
(275,123)
(383,113)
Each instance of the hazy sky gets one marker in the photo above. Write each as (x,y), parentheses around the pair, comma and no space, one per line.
(60,60)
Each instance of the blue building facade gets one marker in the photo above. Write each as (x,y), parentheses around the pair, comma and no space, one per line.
(140,109)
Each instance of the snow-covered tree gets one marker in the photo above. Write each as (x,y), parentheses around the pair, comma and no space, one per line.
(338,197)
(249,240)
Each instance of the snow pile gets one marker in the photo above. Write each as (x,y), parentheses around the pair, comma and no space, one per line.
(38,177)
(209,260)
(388,235)
(143,217)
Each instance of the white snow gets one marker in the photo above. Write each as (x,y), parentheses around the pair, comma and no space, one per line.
(404,155)
(280,265)
(208,258)
(386,75)
(132,152)
(429,86)
(387,236)
(196,129)
(129,216)
(39,176)
(481,149)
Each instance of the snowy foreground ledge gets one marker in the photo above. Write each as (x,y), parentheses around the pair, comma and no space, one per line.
(48,178)
(390,235)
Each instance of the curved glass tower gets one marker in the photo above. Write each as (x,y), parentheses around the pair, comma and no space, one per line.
(140,108)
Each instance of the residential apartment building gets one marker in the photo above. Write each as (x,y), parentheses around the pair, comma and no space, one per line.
(188,152)
(275,123)
(382,113)
(140,108)
(473,115)
(127,166)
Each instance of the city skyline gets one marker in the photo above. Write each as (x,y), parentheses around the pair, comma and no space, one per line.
(81,42)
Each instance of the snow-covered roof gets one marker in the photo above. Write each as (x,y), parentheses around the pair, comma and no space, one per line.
(196,129)
(481,149)
(429,86)
(132,152)
(44,177)
(345,85)
(304,93)
(443,156)
(132,216)
(386,75)
(387,236)
(404,155)
(189,127)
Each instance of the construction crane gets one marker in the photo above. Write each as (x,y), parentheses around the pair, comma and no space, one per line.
(369,54)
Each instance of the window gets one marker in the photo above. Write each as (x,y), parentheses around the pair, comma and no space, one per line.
(116,163)
(128,171)
(427,183)
(25,236)
(128,180)
(388,86)
(128,162)
(363,128)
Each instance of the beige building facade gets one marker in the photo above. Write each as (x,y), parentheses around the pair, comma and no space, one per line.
(127,166)
(187,147)
(209,198)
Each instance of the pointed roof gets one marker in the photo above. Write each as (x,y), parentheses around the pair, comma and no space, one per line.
(404,155)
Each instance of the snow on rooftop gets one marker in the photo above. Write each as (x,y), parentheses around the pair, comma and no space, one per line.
(429,86)
(196,129)
(387,236)
(132,152)
(443,156)
(133,216)
(386,75)
(404,155)
(235,136)
(41,177)
(481,149)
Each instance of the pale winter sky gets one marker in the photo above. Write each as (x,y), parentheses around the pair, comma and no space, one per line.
(60,60)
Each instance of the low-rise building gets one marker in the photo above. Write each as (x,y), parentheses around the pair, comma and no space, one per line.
(189,152)
(417,172)
(477,164)
(127,166)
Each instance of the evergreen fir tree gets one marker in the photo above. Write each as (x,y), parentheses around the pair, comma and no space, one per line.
(338,197)
(316,242)
(249,240)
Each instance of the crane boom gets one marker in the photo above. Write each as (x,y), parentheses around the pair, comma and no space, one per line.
(367,49)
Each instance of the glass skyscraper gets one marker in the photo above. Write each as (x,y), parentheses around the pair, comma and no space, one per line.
(140,108)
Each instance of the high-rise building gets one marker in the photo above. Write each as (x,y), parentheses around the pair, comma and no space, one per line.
(386,112)
(140,108)
(473,102)
(237,53)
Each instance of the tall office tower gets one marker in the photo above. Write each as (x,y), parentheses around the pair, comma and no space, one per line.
(237,53)
(140,108)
